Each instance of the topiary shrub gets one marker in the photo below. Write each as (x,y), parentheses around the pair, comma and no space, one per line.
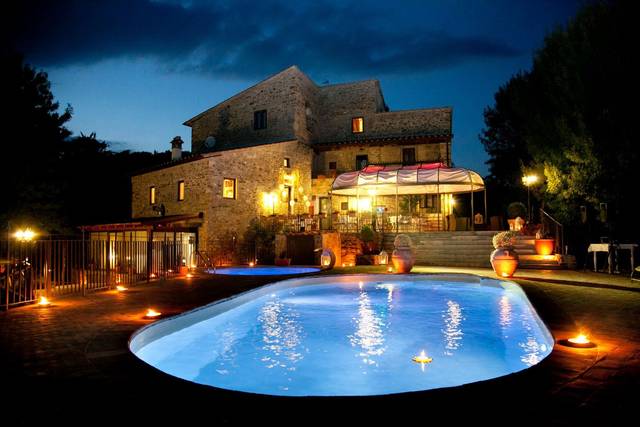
(516,209)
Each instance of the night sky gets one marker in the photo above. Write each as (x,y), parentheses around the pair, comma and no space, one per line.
(135,70)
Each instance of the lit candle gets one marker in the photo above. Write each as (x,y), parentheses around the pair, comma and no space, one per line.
(422,358)
(121,288)
(152,313)
(44,301)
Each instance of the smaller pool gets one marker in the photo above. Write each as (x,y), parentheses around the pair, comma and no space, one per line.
(263,270)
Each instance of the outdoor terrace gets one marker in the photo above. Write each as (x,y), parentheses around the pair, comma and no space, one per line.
(70,362)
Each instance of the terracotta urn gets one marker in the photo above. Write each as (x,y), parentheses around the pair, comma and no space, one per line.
(504,261)
(402,257)
(545,246)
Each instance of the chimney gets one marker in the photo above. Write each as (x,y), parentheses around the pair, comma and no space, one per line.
(176,148)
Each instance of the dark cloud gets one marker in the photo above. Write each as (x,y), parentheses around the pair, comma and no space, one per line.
(245,39)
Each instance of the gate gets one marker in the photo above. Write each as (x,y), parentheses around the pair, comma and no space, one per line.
(300,249)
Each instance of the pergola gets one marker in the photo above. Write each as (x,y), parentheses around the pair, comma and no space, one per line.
(398,180)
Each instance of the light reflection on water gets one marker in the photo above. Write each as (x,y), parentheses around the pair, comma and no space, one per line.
(532,350)
(452,331)
(506,315)
(371,325)
(282,335)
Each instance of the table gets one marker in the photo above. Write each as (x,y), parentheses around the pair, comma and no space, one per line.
(611,248)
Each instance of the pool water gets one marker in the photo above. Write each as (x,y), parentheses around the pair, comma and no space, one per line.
(263,270)
(352,335)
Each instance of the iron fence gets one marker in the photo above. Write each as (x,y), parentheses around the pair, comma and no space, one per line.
(29,270)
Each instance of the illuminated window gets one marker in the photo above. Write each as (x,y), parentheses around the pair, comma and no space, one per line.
(260,119)
(357,125)
(152,195)
(229,188)
(287,162)
(180,190)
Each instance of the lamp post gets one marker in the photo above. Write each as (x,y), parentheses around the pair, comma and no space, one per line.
(529,180)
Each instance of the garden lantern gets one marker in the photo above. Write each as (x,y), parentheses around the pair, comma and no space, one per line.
(327,259)
(384,257)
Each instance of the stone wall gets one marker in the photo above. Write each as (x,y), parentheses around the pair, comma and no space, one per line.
(432,121)
(231,122)
(257,170)
(345,156)
(297,108)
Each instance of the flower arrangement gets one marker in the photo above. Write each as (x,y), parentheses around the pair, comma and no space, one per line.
(504,239)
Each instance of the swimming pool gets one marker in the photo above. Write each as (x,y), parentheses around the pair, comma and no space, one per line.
(352,335)
(263,270)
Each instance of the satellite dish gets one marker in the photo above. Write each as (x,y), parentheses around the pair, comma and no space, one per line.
(210,142)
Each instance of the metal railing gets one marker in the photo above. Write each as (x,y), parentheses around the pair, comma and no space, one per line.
(551,226)
(29,270)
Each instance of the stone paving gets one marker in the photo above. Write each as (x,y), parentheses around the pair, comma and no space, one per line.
(70,362)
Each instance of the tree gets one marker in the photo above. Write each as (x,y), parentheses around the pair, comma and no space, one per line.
(569,119)
(34,132)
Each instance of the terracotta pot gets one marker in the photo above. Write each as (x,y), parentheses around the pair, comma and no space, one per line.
(403,260)
(545,246)
(504,261)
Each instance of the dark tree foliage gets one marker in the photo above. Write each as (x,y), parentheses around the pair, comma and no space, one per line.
(33,135)
(52,181)
(571,119)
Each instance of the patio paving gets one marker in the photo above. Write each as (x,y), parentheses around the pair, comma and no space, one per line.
(71,363)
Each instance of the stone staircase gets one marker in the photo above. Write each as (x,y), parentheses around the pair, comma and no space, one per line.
(471,249)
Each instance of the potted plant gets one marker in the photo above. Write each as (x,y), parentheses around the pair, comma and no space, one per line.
(545,244)
(368,239)
(282,260)
(504,259)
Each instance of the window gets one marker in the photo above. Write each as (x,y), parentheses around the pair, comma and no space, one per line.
(287,162)
(408,156)
(152,195)
(180,191)
(260,119)
(362,161)
(357,125)
(333,166)
(229,188)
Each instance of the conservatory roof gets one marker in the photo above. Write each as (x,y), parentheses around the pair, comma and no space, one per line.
(421,178)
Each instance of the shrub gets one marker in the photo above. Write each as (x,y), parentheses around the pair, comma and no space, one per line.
(504,239)
(516,209)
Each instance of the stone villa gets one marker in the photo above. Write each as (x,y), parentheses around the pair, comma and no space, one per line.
(275,150)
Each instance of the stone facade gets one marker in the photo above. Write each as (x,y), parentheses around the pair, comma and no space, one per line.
(257,170)
(307,124)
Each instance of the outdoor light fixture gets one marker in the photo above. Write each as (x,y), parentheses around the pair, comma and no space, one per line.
(44,301)
(152,275)
(422,358)
(390,269)
(24,235)
(151,314)
(529,180)
(327,259)
(251,264)
(384,257)
(579,341)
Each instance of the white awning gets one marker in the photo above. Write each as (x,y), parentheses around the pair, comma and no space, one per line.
(424,178)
